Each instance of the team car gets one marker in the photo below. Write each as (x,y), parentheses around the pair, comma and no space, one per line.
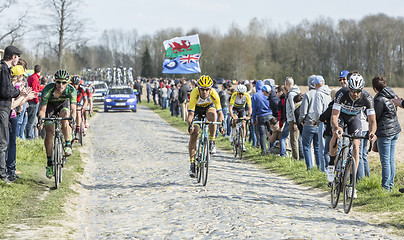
(120,98)
(100,90)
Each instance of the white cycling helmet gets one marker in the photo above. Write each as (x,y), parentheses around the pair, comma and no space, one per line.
(356,82)
(241,88)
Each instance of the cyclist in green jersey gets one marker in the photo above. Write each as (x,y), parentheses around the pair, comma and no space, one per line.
(58,98)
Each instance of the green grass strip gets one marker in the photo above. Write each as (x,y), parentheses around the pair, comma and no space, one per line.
(33,199)
(372,198)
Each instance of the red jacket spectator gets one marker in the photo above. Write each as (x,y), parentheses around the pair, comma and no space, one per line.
(33,82)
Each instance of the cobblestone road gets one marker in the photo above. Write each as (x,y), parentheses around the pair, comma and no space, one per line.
(136,186)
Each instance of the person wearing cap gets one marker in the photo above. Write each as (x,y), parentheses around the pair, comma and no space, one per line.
(7,93)
(343,78)
(292,90)
(261,112)
(310,128)
(322,99)
(17,78)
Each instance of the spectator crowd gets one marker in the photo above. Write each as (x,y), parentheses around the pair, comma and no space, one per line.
(284,121)
(289,123)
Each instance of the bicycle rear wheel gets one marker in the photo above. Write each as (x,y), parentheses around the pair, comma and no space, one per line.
(240,143)
(349,182)
(56,162)
(205,162)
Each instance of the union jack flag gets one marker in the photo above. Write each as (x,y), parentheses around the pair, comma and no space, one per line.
(190,58)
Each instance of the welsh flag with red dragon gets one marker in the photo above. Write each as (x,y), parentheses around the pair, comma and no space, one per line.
(180,46)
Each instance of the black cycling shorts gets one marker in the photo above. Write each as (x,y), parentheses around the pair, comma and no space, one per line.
(351,123)
(201,111)
(240,112)
(53,109)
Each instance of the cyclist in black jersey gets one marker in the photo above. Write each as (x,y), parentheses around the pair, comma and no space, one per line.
(348,104)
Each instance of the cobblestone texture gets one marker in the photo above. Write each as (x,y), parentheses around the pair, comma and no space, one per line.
(136,186)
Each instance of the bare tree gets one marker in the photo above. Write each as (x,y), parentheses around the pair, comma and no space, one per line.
(64,28)
(14,30)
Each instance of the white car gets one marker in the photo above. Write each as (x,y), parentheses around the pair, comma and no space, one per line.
(100,90)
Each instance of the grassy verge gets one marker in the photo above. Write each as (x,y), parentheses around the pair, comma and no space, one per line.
(32,200)
(372,198)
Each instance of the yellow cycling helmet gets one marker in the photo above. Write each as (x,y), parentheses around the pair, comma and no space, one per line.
(205,81)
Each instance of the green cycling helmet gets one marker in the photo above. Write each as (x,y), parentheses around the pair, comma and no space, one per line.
(62,75)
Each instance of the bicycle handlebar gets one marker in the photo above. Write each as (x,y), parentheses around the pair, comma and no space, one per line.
(53,119)
(366,137)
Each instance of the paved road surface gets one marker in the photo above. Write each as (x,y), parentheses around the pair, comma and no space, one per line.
(136,186)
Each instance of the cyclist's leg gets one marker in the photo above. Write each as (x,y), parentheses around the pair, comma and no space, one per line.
(51,109)
(65,124)
(85,104)
(355,129)
(192,143)
(194,136)
(211,116)
(50,131)
(78,118)
(334,150)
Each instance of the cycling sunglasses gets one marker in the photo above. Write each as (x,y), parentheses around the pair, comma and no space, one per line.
(61,82)
(356,91)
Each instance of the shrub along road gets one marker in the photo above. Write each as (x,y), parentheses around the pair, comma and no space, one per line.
(136,185)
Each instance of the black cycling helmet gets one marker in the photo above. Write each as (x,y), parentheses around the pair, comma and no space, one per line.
(75,80)
(62,75)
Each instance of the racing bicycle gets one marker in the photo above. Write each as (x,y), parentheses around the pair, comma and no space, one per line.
(58,158)
(82,132)
(203,152)
(238,139)
(345,174)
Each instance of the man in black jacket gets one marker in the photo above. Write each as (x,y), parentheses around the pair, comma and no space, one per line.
(183,99)
(7,92)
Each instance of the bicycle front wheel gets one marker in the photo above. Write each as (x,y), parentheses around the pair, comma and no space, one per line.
(235,143)
(81,134)
(240,143)
(198,162)
(205,162)
(349,184)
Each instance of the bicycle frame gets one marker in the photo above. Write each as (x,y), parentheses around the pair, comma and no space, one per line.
(345,168)
(203,154)
(239,138)
(58,159)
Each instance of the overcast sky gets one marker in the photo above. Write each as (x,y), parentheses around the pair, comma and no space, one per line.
(148,16)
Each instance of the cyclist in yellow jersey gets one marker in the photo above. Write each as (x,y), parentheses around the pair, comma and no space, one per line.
(238,102)
(204,101)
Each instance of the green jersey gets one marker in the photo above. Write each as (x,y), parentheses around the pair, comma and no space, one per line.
(47,95)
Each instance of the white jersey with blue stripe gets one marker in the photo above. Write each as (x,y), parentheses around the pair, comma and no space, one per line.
(344,103)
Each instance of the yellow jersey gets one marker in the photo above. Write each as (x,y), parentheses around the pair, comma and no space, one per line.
(196,101)
(238,102)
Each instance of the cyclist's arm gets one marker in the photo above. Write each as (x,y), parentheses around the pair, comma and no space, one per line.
(372,125)
(191,115)
(336,110)
(220,116)
(249,111)
(73,109)
(42,111)
(231,111)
